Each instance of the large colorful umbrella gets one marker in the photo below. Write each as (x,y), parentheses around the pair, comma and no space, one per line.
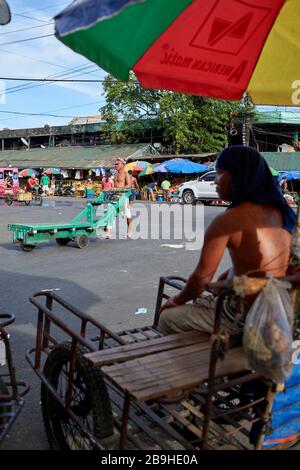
(137,166)
(27,172)
(147,171)
(52,171)
(219,48)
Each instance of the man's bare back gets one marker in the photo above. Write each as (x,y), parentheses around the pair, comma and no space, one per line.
(257,241)
(256,229)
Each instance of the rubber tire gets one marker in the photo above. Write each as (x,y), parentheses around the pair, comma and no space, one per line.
(3,390)
(82,240)
(9,199)
(188,197)
(62,241)
(38,200)
(98,398)
(26,248)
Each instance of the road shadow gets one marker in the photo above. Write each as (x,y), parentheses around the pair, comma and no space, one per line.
(28,433)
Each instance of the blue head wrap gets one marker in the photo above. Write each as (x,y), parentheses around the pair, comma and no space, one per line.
(252,181)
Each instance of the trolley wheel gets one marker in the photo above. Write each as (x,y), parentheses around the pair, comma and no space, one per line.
(62,241)
(3,409)
(81,240)
(90,401)
(38,200)
(9,199)
(27,248)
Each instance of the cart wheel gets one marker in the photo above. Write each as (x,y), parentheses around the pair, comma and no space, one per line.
(3,409)
(62,241)
(27,203)
(9,199)
(90,401)
(27,248)
(38,200)
(82,240)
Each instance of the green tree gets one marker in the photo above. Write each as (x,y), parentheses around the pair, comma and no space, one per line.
(190,123)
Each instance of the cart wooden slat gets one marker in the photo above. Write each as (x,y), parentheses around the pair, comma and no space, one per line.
(135,350)
(167,369)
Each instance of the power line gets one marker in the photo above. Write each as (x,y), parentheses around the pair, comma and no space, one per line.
(49,80)
(42,61)
(25,40)
(26,29)
(38,114)
(30,17)
(59,109)
(44,8)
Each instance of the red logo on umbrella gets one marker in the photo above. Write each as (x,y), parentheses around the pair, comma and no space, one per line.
(228,31)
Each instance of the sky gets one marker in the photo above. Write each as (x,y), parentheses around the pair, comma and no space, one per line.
(43,58)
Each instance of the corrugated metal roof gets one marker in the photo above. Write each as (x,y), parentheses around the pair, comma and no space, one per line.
(75,157)
(86,120)
(277,117)
(283,161)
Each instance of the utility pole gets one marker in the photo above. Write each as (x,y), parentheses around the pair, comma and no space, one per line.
(246,126)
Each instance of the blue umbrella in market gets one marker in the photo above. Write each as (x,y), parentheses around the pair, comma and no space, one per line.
(180,165)
(289,175)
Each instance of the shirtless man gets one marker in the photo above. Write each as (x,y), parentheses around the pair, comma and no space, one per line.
(122,180)
(134,186)
(256,229)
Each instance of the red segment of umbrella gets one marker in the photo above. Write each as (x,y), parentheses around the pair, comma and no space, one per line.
(210,49)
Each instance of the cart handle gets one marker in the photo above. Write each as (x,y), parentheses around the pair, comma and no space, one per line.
(6,319)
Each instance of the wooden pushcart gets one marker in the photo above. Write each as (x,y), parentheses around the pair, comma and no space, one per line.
(139,390)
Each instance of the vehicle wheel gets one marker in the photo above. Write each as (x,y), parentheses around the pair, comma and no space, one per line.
(82,240)
(90,401)
(27,248)
(27,203)
(188,197)
(62,241)
(3,409)
(38,200)
(9,199)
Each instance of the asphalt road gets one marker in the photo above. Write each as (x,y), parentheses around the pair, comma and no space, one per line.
(109,280)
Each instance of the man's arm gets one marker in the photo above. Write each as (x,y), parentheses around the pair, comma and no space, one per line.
(215,241)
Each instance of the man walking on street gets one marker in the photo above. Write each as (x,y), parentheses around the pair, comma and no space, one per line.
(122,180)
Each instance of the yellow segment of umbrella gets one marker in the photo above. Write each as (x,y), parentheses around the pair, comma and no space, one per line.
(137,166)
(148,171)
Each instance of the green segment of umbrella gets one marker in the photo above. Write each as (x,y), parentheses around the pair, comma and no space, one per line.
(147,171)
(132,31)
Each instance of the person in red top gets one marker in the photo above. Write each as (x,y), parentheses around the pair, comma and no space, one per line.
(107,182)
(31,183)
